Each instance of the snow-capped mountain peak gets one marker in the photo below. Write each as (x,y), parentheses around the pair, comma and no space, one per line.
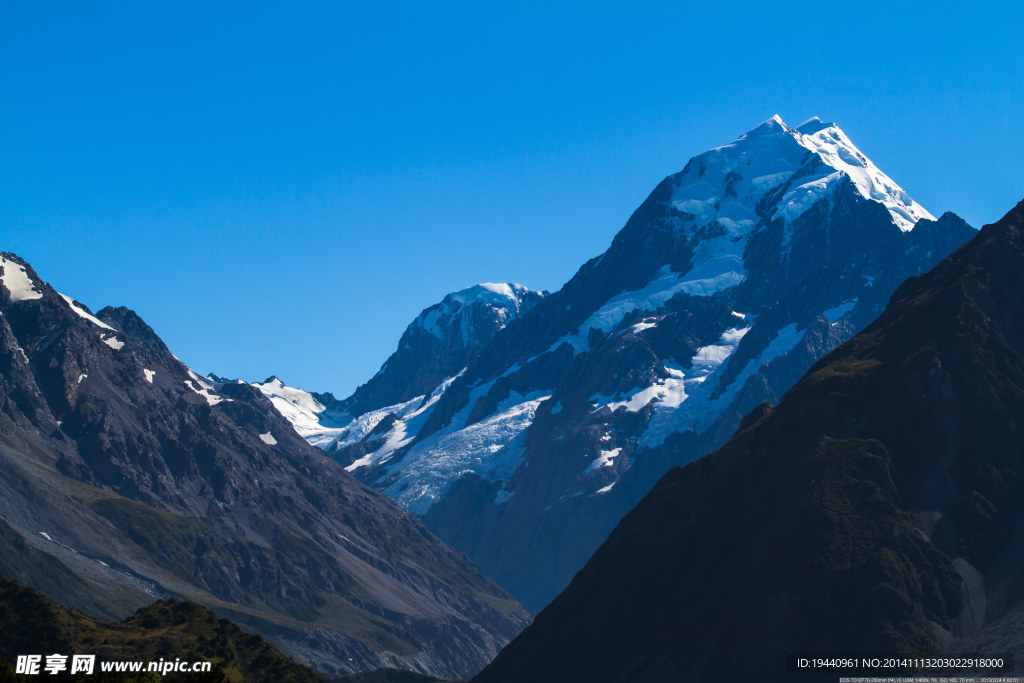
(812,125)
(730,280)
(503,299)
(833,147)
(793,168)
(772,126)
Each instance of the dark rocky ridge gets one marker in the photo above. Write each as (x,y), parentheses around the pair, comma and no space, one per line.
(877,508)
(149,481)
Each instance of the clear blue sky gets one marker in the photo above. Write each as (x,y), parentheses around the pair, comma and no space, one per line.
(281,187)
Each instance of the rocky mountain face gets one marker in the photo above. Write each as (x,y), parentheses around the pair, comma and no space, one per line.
(731,279)
(877,508)
(442,341)
(138,478)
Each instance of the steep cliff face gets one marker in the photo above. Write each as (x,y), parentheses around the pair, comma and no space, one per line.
(877,508)
(144,479)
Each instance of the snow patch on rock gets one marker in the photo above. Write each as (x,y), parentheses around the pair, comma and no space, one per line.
(112,341)
(17,282)
(204,386)
(603,459)
(834,314)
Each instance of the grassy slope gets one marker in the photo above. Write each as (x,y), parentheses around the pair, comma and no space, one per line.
(34,624)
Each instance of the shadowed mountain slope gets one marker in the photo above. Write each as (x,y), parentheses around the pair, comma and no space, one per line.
(168,630)
(123,467)
(877,508)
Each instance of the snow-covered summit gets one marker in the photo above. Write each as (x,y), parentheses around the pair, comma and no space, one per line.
(16,280)
(504,299)
(727,194)
(793,168)
(495,293)
(833,146)
(731,279)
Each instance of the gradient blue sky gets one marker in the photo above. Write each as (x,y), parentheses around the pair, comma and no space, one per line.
(281,187)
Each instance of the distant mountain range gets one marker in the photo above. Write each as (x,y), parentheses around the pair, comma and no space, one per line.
(127,477)
(877,509)
(522,427)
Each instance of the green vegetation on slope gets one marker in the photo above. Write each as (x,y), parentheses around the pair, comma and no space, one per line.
(168,630)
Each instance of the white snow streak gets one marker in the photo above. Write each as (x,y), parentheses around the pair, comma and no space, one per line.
(82,313)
